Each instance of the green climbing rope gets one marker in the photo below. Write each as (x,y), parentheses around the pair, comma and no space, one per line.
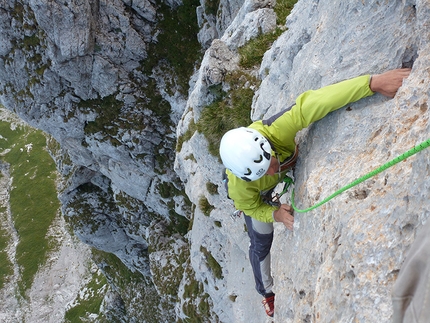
(396,160)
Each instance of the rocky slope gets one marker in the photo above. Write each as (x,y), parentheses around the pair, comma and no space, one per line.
(85,73)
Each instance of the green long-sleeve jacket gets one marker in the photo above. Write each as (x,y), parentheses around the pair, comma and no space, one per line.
(281,130)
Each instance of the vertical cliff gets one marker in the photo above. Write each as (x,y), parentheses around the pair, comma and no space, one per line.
(340,262)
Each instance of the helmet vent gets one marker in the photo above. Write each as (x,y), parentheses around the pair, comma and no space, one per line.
(265,153)
(258,160)
(248,172)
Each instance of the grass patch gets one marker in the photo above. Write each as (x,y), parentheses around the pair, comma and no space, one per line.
(167,273)
(178,223)
(114,268)
(30,42)
(108,110)
(283,9)
(197,303)
(88,301)
(33,198)
(140,301)
(190,157)
(192,128)
(232,110)
(213,265)
(252,52)
(156,103)
(205,206)
(211,7)
(212,188)
(6,269)
(193,289)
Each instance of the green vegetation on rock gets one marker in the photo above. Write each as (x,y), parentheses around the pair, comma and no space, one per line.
(232,109)
(33,197)
(205,206)
(89,301)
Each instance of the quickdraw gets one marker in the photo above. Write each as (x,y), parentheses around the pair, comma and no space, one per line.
(288,181)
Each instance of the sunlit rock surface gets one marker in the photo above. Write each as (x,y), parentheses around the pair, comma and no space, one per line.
(340,262)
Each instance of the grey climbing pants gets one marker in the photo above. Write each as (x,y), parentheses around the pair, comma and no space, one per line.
(261,236)
(411,293)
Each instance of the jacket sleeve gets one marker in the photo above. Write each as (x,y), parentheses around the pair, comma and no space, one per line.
(314,105)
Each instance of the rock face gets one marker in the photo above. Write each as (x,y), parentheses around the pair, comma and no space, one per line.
(77,70)
(340,262)
(348,252)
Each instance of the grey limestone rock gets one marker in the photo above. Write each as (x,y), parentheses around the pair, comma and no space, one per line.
(341,260)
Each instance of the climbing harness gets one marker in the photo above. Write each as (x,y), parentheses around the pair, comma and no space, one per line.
(378,170)
(275,200)
(268,197)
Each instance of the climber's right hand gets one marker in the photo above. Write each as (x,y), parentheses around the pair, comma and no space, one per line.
(389,82)
(285,215)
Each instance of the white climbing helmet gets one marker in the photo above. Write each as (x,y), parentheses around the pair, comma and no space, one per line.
(246,153)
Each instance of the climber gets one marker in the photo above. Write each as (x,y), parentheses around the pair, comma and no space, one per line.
(258,156)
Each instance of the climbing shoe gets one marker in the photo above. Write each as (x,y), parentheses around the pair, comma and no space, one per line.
(269,304)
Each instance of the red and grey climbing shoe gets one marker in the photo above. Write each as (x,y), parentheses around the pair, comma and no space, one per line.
(269,304)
